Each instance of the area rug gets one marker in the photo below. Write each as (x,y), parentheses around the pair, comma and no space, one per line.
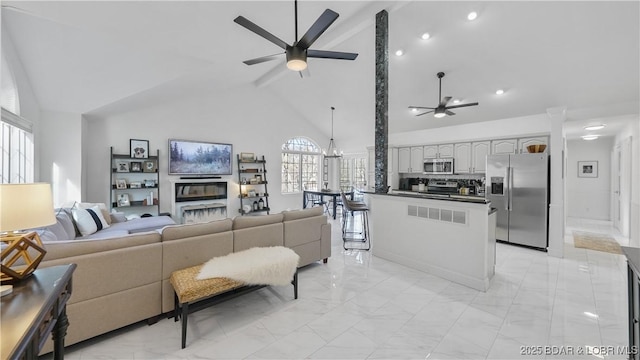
(274,265)
(598,242)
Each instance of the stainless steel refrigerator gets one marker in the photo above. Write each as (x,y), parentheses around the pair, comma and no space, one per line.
(518,186)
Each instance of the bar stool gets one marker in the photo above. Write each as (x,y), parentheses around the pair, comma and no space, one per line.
(355,236)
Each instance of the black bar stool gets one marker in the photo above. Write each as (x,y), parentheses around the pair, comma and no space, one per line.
(355,236)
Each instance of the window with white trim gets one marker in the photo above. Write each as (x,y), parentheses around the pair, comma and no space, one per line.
(300,165)
(16,134)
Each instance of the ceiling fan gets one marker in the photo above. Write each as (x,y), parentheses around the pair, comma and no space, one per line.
(298,53)
(442,108)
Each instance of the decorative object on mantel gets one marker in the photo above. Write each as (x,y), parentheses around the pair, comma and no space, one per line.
(298,53)
(23,206)
(332,151)
(442,110)
(139,149)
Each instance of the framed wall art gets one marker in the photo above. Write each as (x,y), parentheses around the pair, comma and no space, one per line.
(246,156)
(149,166)
(122,166)
(136,166)
(139,149)
(588,169)
(121,184)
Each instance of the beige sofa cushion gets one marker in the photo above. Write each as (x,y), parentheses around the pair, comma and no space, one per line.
(174,232)
(256,231)
(304,213)
(303,226)
(69,248)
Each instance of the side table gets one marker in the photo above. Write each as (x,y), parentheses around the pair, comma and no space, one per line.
(36,307)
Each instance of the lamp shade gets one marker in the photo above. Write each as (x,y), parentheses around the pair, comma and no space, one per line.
(25,206)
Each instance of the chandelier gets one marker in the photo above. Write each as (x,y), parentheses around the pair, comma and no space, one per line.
(332,151)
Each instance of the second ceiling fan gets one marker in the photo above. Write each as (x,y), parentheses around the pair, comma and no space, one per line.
(442,109)
(299,51)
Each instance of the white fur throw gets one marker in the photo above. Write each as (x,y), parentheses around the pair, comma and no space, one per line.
(274,265)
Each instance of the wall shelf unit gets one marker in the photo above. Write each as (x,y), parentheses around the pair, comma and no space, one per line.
(252,180)
(135,184)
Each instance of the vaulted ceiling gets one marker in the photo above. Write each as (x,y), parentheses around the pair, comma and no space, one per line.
(98,57)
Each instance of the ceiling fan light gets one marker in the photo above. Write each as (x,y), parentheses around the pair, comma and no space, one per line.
(594,127)
(439,113)
(296,59)
(399,52)
(425,36)
(472,15)
(499,92)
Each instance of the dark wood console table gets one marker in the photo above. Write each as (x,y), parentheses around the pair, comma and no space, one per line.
(633,282)
(36,307)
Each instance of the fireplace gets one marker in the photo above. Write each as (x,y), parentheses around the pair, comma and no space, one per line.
(198,201)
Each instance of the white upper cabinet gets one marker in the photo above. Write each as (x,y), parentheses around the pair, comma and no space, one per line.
(417,159)
(462,158)
(410,159)
(479,152)
(524,142)
(504,146)
(437,151)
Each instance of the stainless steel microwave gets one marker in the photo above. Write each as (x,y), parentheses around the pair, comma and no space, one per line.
(438,166)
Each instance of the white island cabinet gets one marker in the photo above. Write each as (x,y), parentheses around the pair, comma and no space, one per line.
(451,238)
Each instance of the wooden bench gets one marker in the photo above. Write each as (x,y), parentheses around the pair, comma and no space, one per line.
(192,294)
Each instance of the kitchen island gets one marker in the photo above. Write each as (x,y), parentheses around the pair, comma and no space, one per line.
(446,235)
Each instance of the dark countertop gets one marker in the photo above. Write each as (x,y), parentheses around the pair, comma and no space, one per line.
(633,257)
(424,195)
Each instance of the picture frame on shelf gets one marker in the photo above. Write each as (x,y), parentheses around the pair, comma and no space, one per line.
(135,166)
(135,185)
(252,193)
(122,166)
(150,166)
(588,169)
(259,178)
(121,184)
(123,200)
(247,156)
(139,149)
(149,183)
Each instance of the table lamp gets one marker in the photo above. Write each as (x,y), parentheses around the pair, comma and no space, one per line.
(23,206)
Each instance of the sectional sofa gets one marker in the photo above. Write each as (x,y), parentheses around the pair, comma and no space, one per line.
(124,280)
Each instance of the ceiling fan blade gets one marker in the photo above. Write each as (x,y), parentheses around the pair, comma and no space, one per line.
(461,105)
(242,21)
(445,100)
(262,59)
(425,113)
(331,55)
(450,113)
(421,107)
(320,26)
(305,73)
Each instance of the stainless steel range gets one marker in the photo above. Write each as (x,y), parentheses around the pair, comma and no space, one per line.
(442,187)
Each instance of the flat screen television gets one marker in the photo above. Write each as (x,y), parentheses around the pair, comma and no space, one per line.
(188,157)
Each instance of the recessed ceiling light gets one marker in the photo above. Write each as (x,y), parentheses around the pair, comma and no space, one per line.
(425,36)
(399,52)
(594,127)
(472,15)
(589,137)
(414,110)
(591,315)
(499,92)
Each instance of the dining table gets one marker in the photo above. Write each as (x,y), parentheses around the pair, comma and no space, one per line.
(333,194)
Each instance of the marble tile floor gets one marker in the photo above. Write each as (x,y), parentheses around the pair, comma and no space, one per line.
(362,307)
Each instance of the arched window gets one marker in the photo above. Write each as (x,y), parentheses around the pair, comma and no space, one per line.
(300,165)
(16,134)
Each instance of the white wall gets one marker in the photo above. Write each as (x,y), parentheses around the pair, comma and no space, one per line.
(251,119)
(589,198)
(61,155)
(632,131)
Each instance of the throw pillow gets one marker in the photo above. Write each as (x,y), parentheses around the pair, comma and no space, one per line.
(90,220)
(103,209)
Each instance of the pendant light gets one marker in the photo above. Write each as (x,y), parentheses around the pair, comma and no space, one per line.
(332,151)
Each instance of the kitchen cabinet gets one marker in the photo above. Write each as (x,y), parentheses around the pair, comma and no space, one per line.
(438,151)
(479,152)
(410,159)
(471,158)
(504,146)
(524,142)
(462,158)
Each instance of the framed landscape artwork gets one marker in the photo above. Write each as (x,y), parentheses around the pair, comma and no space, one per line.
(588,169)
